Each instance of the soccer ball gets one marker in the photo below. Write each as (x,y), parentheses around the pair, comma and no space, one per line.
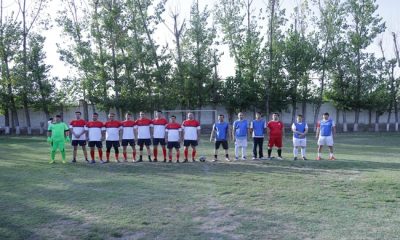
(202,158)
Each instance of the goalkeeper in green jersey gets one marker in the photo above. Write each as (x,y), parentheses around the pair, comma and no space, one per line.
(58,134)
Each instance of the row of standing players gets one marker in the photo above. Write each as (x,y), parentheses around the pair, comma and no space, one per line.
(170,134)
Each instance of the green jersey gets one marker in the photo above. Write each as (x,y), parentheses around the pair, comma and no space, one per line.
(57,130)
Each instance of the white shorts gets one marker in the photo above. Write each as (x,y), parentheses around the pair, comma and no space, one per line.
(299,142)
(241,142)
(325,140)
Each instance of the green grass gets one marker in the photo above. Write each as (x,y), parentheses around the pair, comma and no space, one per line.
(355,197)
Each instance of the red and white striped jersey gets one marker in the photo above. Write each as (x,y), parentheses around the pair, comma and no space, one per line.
(190,128)
(159,127)
(143,126)
(112,130)
(127,129)
(77,127)
(173,132)
(94,129)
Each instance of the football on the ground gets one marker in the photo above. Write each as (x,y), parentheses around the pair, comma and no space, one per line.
(202,158)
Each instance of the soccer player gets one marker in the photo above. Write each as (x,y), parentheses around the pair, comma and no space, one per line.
(221,131)
(95,134)
(113,128)
(239,134)
(57,135)
(326,129)
(128,136)
(300,130)
(276,131)
(143,133)
(257,128)
(159,124)
(173,138)
(191,134)
(77,129)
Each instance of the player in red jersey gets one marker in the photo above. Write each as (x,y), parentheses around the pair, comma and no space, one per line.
(113,128)
(173,138)
(191,134)
(77,129)
(159,124)
(95,134)
(276,131)
(128,136)
(143,134)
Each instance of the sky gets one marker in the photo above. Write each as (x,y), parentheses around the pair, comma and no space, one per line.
(388,9)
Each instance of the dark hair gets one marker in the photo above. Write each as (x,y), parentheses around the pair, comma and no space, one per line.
(259,113)
(95,113)
(51,119)
(173,116)
(58,116)
(276,113)
(128,113)
(327,114)
(300,115)
(78,112)
(111,114)
(159,111)
(221,115)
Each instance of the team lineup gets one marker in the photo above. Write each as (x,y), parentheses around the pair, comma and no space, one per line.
(145,132)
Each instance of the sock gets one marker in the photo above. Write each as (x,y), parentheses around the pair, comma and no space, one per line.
(125,156)
(193,154)
(164,152)
(92,154)
(134,155)
(117,156)
(155,152)
(53,155)
(170,156)
(140,157)
(149,157)
(279,152)
(186,153)
(269,152)
(319,154)
(108,156)
(227,155)
(236,151)
(330,154)
(100,153)
(296,151)
(177,155)
(63,155)
(243,152)
(215,156)
(303,152)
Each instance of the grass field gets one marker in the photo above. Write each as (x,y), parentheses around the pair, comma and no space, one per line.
(354,197)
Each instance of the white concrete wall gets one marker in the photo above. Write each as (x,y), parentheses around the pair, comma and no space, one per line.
(207,117)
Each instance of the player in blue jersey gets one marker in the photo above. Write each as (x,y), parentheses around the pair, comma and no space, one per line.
(326,130)
(299,129)
(257,129)
(239,134)
(221,131)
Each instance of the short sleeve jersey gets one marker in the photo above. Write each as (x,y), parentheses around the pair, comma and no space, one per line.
(221,131)
(190,128)
(143,126)
(94,129)
(57,131)
(112,130)
(258,127)
(78,127)
(241,128)
(173,132)
(159,127)
(127,129)
(326,127)
(275,128)
(299,127)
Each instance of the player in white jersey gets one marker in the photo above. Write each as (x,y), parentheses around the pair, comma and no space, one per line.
(173,138)
(77,130)
(128,136)
(159,124)
(143,132)
(299,129)
(191,136)
(113,128)
(95,135)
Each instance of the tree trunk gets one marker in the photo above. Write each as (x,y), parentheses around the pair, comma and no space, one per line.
(344,121)
(356,119)
(6,121)
(377,116)
(388,119)
(294,110)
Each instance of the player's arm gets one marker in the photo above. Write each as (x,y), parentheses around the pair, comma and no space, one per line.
(305,130)
(151,127)
(283,130)
(198,134)
(333,130)
(212,133)
(233,132)
(251,129)
(317,131)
